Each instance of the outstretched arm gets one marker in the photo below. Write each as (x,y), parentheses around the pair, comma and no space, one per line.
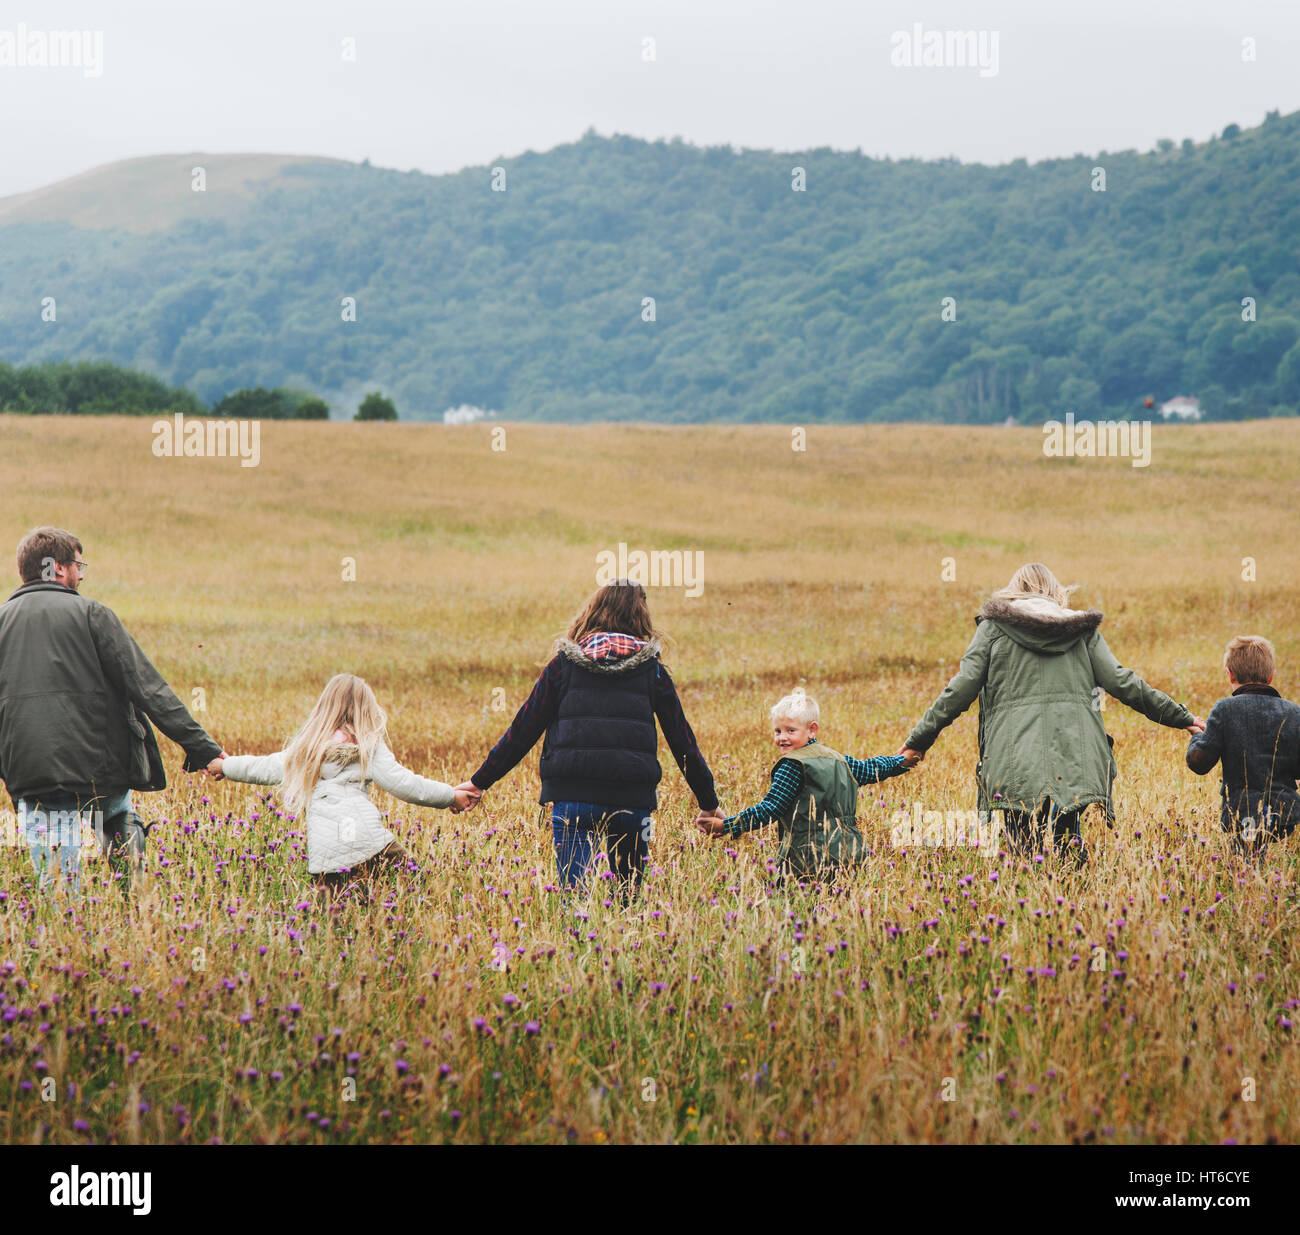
(877,768)
(1206,749)
(254,769)
(958,695)
(529,724)
(1131,690)
(681,741)
(787,783)
(409,786)
(134,676)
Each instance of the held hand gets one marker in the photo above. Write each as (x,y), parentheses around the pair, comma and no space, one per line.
(214,768)
(467,796)
(710,822)
(913,757)
(1197,725)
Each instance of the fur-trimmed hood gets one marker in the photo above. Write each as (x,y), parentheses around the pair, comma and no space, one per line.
(1039,623)
(339,756)
(606,664)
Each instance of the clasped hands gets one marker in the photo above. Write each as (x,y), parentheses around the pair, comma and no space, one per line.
(214,768)
(710,822)
(467,797)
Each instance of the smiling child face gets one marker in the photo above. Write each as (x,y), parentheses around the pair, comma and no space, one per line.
(792,734)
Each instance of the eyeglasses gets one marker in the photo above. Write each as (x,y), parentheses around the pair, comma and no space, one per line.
(85,566)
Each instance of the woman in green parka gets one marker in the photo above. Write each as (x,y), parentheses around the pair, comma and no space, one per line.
(1039,669)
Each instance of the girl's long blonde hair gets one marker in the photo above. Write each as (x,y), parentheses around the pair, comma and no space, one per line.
(1034,579)
(347,702)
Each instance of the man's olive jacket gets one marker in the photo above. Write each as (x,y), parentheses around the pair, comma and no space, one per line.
(76,698)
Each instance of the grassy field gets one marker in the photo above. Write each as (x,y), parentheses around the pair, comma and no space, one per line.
(941,996)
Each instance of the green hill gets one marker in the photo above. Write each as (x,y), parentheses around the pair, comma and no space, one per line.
(768,303)
(146,194)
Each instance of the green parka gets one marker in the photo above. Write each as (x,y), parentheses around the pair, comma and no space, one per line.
(1039,671)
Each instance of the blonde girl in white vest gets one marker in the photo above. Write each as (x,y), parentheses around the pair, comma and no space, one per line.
(326,772)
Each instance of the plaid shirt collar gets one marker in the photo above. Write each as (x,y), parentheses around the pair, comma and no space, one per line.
(609,645)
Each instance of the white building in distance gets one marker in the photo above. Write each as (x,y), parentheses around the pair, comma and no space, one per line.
(1181,407)
(462,415)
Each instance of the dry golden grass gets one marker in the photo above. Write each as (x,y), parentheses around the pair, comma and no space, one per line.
(822,568)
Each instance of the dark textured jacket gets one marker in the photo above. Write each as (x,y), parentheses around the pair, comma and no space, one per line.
(602,746)
(76,698)
(1255,734)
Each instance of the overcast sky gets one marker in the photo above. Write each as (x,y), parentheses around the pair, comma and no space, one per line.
(443,84)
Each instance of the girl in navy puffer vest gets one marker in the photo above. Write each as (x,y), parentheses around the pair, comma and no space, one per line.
(597,701)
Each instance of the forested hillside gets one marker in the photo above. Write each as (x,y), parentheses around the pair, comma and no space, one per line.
(769,301)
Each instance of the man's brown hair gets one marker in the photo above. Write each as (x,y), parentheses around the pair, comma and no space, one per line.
(1249,659)
(43,548)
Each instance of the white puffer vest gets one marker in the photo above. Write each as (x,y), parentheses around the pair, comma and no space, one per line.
(343,824)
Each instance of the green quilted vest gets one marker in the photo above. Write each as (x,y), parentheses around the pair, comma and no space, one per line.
(821,831)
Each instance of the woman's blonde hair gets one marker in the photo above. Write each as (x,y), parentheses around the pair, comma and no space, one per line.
(347,702)
(1034,579)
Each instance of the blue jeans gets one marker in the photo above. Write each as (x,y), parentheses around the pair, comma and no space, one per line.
(577,827)
(56,828)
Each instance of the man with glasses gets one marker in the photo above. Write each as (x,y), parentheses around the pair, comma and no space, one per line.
(77,696)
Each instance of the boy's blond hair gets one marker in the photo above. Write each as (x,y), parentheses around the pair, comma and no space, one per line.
(1249,658)
(797,706)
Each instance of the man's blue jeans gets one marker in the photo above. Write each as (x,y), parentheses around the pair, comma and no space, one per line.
(579,827)
(56,829)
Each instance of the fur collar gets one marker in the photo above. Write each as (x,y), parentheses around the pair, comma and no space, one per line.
(571,651)
(342,753)
(1043,614)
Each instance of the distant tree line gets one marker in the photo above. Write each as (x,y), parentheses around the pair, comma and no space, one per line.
(96,388)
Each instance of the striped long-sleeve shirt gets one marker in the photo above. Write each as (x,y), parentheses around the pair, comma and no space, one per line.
(787,784)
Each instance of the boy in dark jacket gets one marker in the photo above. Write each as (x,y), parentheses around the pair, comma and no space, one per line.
(813,796)
(1255,734)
